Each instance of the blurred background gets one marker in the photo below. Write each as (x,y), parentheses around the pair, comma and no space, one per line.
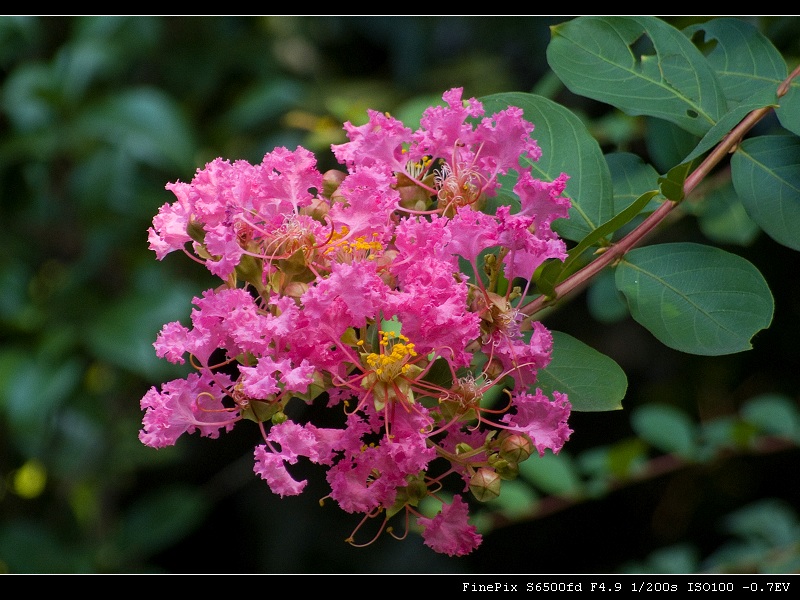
(97,114)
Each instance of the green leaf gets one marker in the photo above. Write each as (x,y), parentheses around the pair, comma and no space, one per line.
(631,178)
(159,520)
(671,184)
(746,62)
(666,428)
(516,500)
(676,559)
(30,98)
(554,474)
(722,217)
(591,380)
(667,144)
(33,547)
(146,123)
(556,271)
(730,120)
(38,389)
(773,414)
(123,333)
(788,112)
(695,298)
(266,101)
(749,69)
(766,175)
(772,520)
(599,57)
(604,301)
(567,147)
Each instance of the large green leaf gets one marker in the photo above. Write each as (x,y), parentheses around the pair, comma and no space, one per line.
(666,428)
(599,57)
(631,177)
(667,144)
(591,380)
(789,110)
(749,69)
(604,301)
(695,298)
(722,217)
(731,119)
(567,147)
(146,123)
(746,62)
(159,519)
(766,175)
(554,474)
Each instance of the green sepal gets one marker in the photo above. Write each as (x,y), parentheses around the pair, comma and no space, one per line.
(409,495)
(261,412)
(671,184)
(250,269)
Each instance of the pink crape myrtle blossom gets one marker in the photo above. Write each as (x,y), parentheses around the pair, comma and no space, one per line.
(388,292)
(449,532)
(185,406)
(542,420)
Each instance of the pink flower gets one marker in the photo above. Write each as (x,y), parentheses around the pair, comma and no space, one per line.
(272,468)
(370,201)
(168,232)
(388,292)
(379,142)
(543,421)
(449,532)
(184,406)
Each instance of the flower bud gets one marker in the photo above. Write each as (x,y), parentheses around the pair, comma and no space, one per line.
(295,289)
(507,470)
(317,210)
(195,230)
(412,195)
(485,484)
(463,447)
(330,182)
(515,447)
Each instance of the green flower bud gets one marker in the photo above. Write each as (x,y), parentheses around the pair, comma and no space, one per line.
(317,210)
(195,231)
(485,484)
(515,447)
(463,447)
(507,470)
(330,182)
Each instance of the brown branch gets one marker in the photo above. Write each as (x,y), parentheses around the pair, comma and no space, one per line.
(578,280)
(656,467)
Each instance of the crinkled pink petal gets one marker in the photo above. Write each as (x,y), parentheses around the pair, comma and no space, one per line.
(543,421)
(449,532)
(272,468)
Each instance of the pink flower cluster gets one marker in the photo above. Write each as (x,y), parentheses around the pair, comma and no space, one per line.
(390,291)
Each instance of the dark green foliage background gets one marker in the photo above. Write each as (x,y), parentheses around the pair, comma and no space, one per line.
(97,114)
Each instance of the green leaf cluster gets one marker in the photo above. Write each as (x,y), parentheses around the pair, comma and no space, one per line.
(708,86)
